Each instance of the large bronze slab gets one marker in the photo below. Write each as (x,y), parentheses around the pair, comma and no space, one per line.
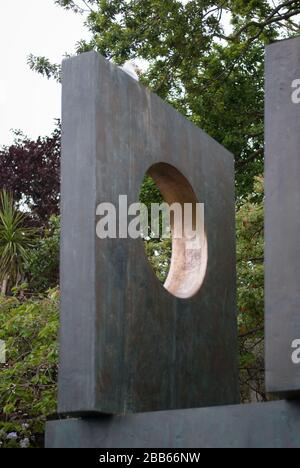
(282,224)
(126,343)
(263,425)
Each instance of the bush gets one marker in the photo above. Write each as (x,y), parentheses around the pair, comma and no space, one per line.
(42,267)
(28,379)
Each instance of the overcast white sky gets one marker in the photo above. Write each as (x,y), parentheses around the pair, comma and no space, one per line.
(28,101)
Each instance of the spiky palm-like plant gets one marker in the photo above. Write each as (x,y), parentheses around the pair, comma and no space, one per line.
(15,241)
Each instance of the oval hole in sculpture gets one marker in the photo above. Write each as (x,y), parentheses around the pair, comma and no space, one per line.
(180,263)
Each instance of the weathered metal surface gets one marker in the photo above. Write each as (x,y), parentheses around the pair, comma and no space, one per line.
(264,425)
(127,344)
(282,224)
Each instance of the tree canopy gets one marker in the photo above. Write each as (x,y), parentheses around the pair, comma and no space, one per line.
(204,57)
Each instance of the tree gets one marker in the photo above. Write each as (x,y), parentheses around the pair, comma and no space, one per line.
(30,170)
(15,241)
(204,57)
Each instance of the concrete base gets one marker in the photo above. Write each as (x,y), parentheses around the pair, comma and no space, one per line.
(265,425)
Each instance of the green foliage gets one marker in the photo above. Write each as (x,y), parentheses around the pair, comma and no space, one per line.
(43,66)
(150,193)
(158,251)
(250,270)
(159,255)
(42,265)
(15,240)
(28,379)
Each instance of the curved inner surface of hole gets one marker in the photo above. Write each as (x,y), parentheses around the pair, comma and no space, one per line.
(189,251)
